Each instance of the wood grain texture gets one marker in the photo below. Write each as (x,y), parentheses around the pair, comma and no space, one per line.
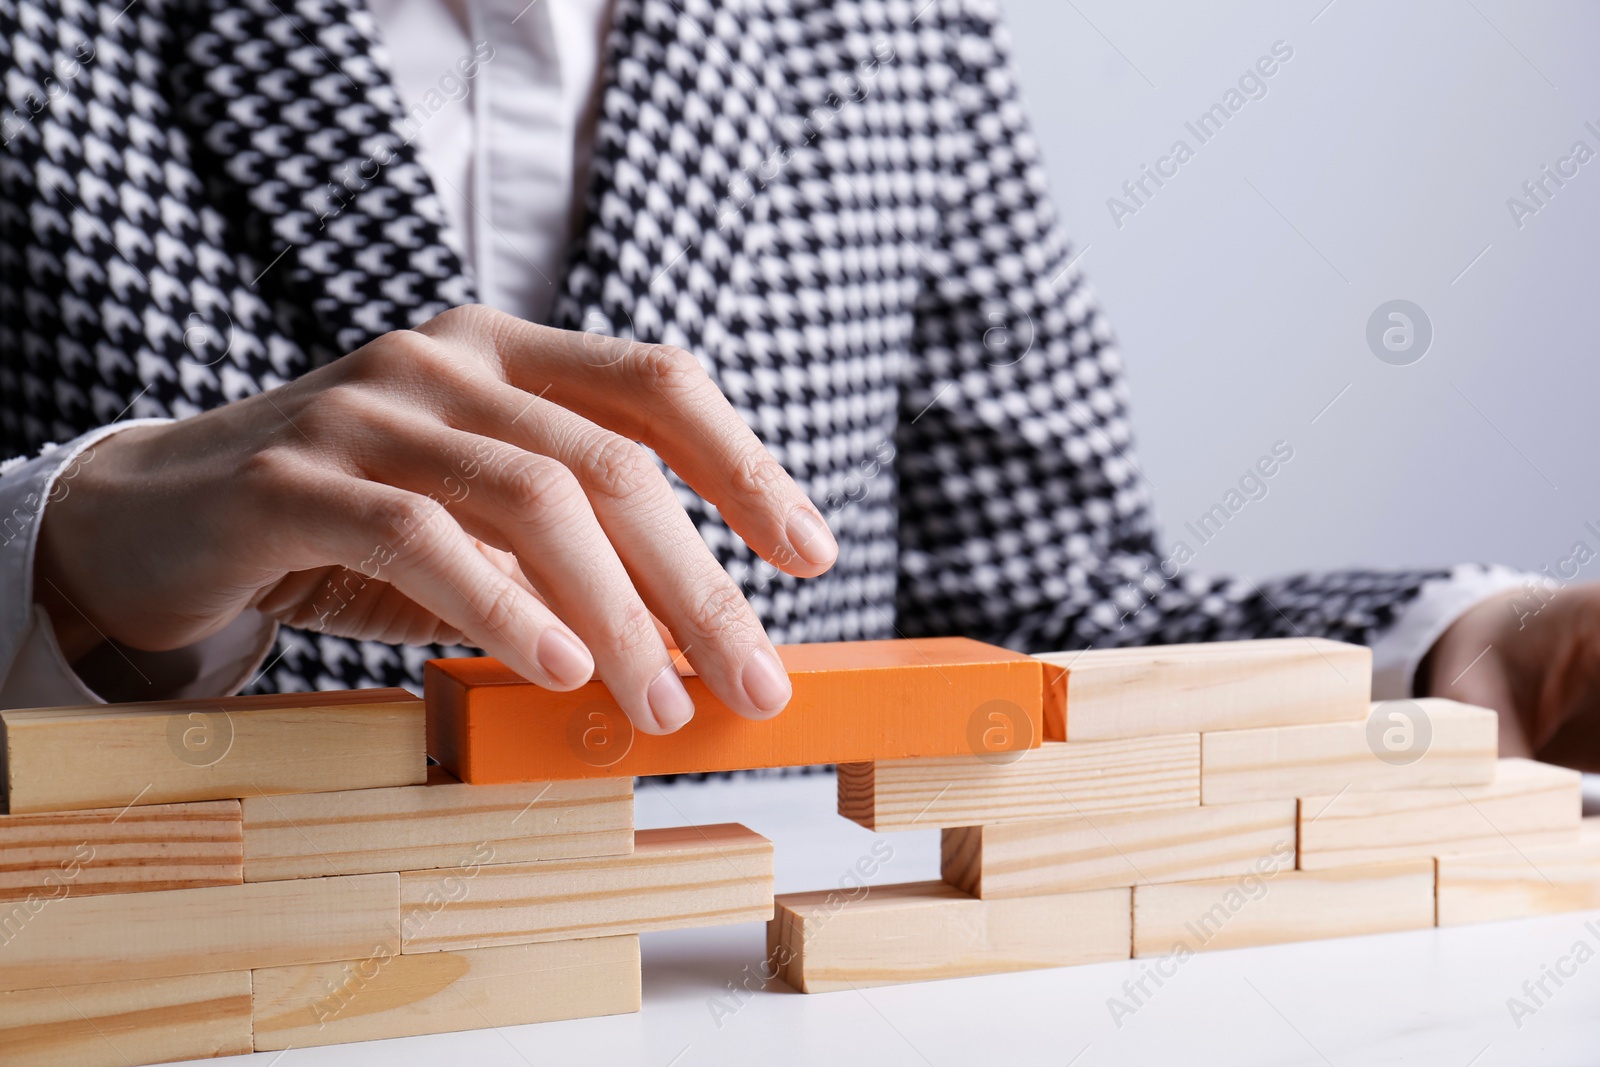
(444,992)
(682,877)
(1283,907)
(131,850)
(1104,851)
(196,931)
(418,827)
(115,1024)
(1222,685)
(1514,884)
(853,700)
(1277,762)
(1056,780)
(820,942)
(1528,804)
(110,756)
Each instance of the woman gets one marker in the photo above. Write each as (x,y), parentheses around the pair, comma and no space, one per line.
(802,251)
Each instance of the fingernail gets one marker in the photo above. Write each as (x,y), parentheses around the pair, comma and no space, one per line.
(765,682)
(564,661)
(811,537)
(669,700)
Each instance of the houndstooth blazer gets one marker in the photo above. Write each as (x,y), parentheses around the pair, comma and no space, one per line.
(838,206)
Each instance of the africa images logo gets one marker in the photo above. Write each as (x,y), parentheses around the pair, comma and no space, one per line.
(599,734)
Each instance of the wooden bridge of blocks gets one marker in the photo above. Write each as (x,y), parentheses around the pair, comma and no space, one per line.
(206,878)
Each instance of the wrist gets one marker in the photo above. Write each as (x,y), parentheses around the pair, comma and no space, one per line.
(1473,662)
(75,635)
(1461,649)
(66,545)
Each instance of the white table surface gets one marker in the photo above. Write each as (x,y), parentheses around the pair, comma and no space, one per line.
(1427,997)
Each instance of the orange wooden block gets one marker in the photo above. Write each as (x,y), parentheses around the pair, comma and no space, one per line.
(853,701)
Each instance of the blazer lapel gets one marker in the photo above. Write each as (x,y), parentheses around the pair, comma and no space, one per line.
(291,108)
(690,111)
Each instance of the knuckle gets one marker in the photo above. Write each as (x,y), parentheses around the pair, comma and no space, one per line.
(537,488)
(632,632)
(471,340)
(465,318)
(411,357)
(501,608)
(617,468)
(404,348)
(754,473)
(664,368)
(716,610)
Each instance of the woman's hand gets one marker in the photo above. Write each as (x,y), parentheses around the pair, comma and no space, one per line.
(1534,658)
(474,479)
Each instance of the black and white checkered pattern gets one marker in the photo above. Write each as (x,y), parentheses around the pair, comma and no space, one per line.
(838,206)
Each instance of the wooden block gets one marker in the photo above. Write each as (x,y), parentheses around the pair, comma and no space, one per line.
(1514,884)
(1103,851)
(1528,804)
(445,992)
(196,931)
(417,827)
(682,877)
(131,850)
(826,941)
(1396,748)
(114,1024)
(1222,685)
(110,756)
(1057,780)
(855,700)
(1272,909)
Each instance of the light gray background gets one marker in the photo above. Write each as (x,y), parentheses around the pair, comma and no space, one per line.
(1384,151)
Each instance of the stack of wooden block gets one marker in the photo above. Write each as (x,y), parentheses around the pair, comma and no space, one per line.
(201,879)
(196,879)
(1198,797)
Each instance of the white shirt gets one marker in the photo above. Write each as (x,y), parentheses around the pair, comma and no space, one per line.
(508,147)
(500,98)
